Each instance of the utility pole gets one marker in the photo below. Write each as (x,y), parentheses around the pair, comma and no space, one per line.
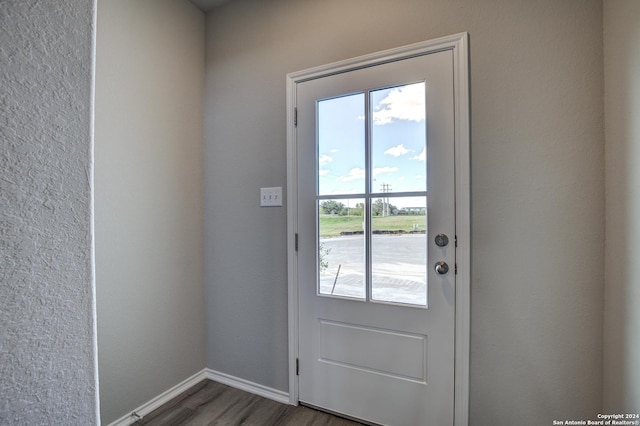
(385,188)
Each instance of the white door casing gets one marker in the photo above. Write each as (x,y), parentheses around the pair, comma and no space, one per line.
(402,369)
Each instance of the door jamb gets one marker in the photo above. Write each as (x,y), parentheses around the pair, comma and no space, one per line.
(459,45)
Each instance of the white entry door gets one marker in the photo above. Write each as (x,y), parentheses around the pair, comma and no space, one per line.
(376,240)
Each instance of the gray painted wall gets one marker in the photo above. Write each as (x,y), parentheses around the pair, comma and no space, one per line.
(538,186)
(538,198)
(47,315)
(149,199)
(622,296)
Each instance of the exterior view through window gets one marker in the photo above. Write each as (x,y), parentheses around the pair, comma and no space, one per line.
(371,197)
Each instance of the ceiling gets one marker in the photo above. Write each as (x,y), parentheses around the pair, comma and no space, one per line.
(207,5)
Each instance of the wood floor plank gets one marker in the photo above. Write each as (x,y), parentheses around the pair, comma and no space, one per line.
(239,409)
(218,410)
(176,404)
(174,416)
(265,413)
(214,404)
(207,393)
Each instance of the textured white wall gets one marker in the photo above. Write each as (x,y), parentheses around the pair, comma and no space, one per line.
(622,124)
(47,316)
(537,186)
(148,198)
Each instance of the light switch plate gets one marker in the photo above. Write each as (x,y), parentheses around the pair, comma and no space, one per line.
(271,197)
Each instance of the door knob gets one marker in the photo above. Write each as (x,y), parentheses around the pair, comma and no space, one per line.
(442,267)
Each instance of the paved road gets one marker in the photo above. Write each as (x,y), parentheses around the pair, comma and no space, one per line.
(399,270)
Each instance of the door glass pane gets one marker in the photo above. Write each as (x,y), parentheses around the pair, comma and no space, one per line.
(341,145)
(396,155)
(398,139)
(341,247)
(399,250)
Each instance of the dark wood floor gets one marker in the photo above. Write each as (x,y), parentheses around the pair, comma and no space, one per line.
(211,403)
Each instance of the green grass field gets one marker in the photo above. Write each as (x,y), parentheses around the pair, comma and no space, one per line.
(332,226)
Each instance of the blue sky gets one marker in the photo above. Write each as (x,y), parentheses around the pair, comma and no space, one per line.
(398,142)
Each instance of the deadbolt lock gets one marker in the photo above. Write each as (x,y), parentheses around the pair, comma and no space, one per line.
(442,240)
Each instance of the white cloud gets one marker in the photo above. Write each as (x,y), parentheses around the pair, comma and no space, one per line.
(422,156)
(355,173)
(419,176)
(343,190)
(358,173)
(324,159)
(397,151)
(323,172)
(402,103)
(382,170)
(333,151)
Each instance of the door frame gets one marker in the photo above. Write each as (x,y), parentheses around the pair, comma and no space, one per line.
(459,45)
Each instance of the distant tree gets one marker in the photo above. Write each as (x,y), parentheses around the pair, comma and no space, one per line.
(331,207)
(407,212)
(378,208)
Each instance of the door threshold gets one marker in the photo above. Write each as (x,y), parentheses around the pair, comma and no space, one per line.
(341,415)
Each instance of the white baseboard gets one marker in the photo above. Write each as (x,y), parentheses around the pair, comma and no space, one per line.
(207,373)
(163,398)
(246,385)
